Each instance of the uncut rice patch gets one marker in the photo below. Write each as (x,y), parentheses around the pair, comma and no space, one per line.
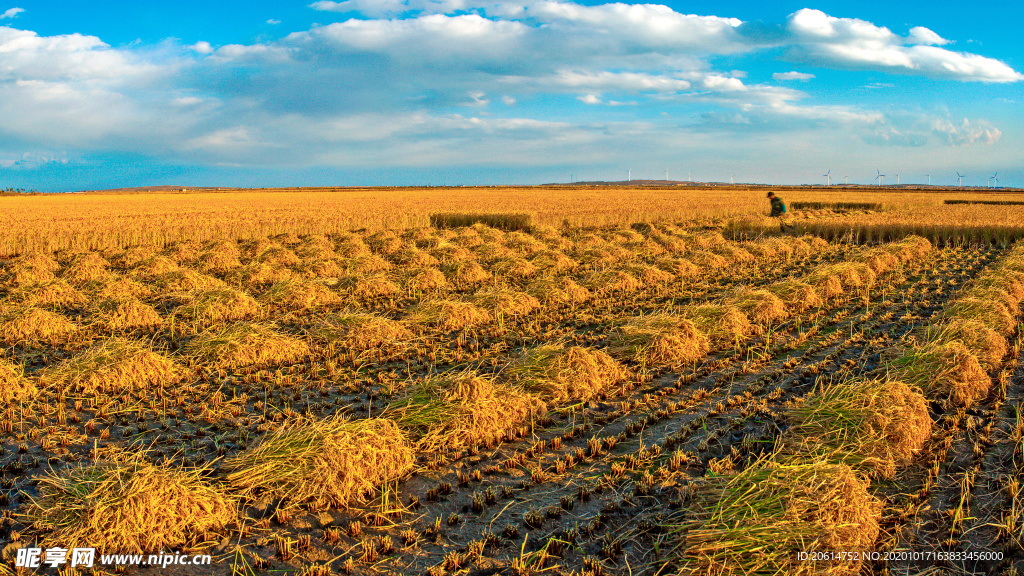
(872,425)
(129,506)
(661,339)
(332,461)
(14,386)
(113,366)
(755,522)
(559,373)
(946,372)
(452,411)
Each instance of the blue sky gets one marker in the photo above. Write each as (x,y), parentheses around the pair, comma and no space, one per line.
(393,92)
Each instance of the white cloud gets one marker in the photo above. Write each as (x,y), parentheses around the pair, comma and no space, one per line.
(850,42)
(202,47)
(922,35)
(373,90)
(966,132)
(792,76)
(273,22)
(11,13)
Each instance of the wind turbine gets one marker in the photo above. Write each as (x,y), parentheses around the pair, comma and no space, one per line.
(959,179)
(996,180)
(847,179)
(929,179)
(897,179)
(828,177)
(880,176)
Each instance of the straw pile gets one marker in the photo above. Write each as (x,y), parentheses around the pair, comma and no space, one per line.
(361,331)
(448,315)
(871,425)
(947,372)
(21,325)
(560,290)
(758,520)
(453,411)
(218,305)
(129,506)
(662,340)
(723,325)
(112,367)
(795,295)
(331,460)
(14,387)
(505,303)
(128,314)
(425,279)
(239,345)
(466,273)
(559,373)
(761,307)
(299,295)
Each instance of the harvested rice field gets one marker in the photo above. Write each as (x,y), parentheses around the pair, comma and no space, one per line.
(664,398)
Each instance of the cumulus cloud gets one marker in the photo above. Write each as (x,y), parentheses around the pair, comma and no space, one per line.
(853,43)
(966,132)
(450,77)
(11,13)
(792,76)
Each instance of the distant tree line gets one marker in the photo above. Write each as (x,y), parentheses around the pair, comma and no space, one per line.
(16,192)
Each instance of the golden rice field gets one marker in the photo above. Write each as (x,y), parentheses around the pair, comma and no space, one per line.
(645,382)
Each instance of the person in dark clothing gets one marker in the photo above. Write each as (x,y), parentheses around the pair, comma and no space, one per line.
(778,209)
